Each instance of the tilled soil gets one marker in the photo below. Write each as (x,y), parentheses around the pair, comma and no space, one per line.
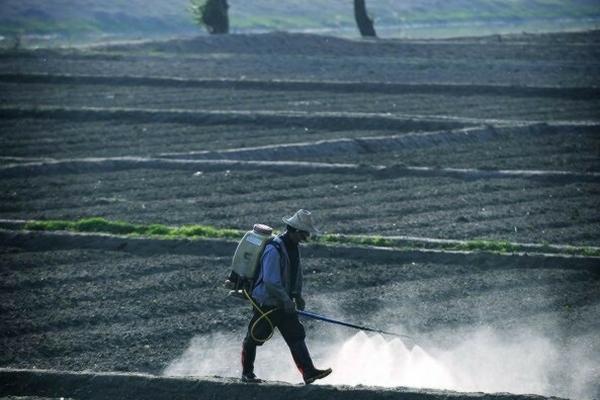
(558,60)
(519,210)
(110,310)
(444,102)
(134,305)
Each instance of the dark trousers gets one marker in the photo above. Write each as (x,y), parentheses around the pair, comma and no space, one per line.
(292,331)
(287,323)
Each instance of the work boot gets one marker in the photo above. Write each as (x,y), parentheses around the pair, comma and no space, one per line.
(304,363)
(316,374)
(250,378)
(248,356)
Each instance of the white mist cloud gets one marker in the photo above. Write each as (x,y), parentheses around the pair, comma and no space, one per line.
(484,360)
(373,360)
(488,362)
(220,355)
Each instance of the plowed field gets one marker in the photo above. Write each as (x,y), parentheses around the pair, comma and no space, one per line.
(491,138)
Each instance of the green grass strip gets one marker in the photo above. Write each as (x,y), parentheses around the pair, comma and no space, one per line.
(102,225)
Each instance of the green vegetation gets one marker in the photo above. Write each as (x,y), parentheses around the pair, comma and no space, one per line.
(41,26)
(360,240)
(101,225)
(499,246)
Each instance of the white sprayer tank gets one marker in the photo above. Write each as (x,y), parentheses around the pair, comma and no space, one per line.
(247,255)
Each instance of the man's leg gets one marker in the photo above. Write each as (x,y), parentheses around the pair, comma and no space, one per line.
(248,357)
(255,336)
(293,332)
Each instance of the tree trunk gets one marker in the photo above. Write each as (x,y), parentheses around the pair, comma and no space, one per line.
(364,23)
(215,16)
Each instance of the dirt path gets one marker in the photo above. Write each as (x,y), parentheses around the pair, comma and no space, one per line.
(99,386)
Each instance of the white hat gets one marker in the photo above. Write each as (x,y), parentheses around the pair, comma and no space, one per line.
(302,221)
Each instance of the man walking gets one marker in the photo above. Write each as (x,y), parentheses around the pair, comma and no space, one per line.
(278,293)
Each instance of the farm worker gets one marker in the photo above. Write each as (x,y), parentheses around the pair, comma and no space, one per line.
(278,290)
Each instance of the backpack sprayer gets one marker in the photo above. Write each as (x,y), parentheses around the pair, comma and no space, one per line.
(245,270)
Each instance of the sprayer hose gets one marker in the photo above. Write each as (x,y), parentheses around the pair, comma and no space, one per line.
(264,315)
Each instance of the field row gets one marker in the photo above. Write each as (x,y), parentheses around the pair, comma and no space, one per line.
(481,105)
(538,146)
(118,311)
(523,47)
(568,150)
(61,138)
(571,66)
(519,210)
(301,86)
(560,147)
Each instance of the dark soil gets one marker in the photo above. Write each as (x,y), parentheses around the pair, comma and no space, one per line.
(108,310)
(133,306)
(511,209)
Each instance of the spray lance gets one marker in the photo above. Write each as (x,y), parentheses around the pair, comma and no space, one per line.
(312,315)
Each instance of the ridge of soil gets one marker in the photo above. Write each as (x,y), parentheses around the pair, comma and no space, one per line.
(311,44)
(325,120)
(144,246)
(115,385)
(305,85)
(412,242)
(79,166)
(388,143)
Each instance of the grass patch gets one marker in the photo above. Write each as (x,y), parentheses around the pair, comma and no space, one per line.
(500,246)
(358,240)
(102,225)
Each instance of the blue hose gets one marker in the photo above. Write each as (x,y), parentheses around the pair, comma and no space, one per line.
(312,315)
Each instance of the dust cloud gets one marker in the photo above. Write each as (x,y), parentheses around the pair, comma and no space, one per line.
(482,361)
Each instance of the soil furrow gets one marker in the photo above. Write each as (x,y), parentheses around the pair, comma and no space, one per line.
(474,107)
(382,144)
(43,241)
(540,296)
(461,196)
(77,166)
(30,282)
(321,86)
(393,207)
(332,121)
(190,284)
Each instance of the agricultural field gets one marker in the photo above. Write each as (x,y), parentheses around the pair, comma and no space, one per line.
(490,139)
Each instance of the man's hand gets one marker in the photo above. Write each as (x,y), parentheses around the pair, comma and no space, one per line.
(289,307)
(300,303)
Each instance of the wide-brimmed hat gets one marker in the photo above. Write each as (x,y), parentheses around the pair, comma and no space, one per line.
(302,221)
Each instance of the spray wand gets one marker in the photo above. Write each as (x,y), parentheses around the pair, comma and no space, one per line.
(312,315)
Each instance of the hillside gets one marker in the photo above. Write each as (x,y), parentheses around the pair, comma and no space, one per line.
(169,17)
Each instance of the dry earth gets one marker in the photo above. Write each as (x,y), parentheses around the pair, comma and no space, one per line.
(492,138)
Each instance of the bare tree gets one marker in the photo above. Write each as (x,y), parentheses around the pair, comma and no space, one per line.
(363,21)
(212,14)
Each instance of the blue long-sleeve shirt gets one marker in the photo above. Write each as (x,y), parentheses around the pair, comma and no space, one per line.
(274,285)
